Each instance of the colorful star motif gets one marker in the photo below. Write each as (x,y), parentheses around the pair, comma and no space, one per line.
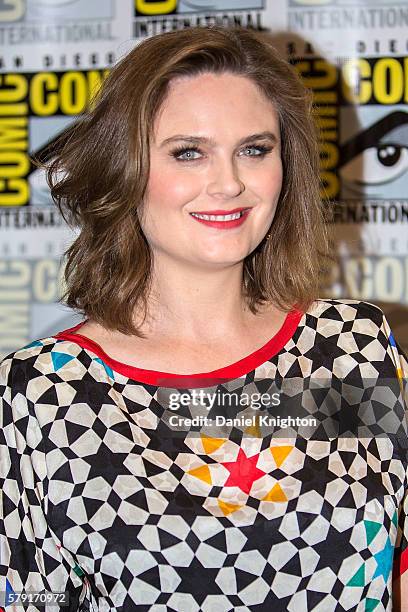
(384,561)
(243,471)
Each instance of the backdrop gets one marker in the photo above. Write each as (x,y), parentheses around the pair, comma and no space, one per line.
(353,55)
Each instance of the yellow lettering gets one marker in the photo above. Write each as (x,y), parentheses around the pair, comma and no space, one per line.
(327,78)
(13,133)
(328,127)
(388,72)
(355,89)
(95,81)
(18,192)
(325,97)
(14,87)
(43,99)
(406,79)
(13,163)
(73,91)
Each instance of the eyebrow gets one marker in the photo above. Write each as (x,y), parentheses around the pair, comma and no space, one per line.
(211,141)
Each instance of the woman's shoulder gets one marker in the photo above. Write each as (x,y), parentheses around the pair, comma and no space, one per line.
(345,310)
(39,359)
(360,329)
(354,318)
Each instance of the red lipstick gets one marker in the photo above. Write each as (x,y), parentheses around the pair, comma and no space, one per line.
(220,212)
(224,224)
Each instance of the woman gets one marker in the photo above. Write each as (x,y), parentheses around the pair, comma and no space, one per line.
(193,180)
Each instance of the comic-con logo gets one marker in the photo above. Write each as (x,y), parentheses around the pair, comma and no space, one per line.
(144,8)
(373,120)
(54,10)
(34,110)
(360,108)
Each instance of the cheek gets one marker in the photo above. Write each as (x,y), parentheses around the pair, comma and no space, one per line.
(171,187)
(276,177)
(279,181)
(268,182)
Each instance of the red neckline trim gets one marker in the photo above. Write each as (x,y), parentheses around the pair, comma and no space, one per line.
(202,379)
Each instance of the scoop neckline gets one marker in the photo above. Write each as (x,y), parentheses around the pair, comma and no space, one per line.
(227,373)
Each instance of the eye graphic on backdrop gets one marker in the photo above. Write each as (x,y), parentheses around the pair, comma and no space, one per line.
(376,156)
(377,165)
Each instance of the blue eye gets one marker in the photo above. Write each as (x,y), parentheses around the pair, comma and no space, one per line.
(262,150)
(185,153)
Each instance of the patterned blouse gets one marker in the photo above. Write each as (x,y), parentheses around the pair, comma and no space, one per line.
(112,497)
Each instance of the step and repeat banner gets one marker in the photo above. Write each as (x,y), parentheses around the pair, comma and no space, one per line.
(353,55)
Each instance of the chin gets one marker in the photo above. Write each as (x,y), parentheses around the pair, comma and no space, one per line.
(226,259)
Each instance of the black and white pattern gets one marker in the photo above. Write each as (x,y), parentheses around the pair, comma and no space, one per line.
(101,498)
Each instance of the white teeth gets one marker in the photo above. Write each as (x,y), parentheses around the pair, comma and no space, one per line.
(218,217)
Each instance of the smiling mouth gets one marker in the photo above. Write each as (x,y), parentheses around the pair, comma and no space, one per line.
(228,217)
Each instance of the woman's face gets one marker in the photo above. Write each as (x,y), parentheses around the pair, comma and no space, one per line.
(215,147)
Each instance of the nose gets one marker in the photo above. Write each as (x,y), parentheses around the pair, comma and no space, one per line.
(224,180)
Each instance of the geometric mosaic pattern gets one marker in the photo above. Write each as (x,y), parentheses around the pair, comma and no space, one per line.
(99,500)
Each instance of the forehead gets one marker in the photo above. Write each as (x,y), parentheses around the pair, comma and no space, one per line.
(209,101)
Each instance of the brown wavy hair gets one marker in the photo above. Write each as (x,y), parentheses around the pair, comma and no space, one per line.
(100,169)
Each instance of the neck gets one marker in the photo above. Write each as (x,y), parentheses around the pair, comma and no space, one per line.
(195,303)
